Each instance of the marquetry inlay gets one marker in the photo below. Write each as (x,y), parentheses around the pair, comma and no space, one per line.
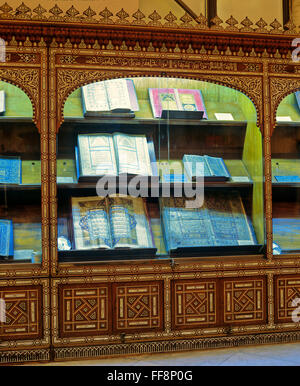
(244,300)
(84,310)
(287,289)
(138,306)
(23,311)
(194,304)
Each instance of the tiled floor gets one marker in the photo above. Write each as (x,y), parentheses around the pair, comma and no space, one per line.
(269,355)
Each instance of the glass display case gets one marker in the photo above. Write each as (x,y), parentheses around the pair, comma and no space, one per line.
(153,168)
(20,179)
(286,177)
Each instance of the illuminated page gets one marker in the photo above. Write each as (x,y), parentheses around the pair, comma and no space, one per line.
(129,223)
(184,227)
(90,223)
(191,100)
(118,94)
(94,98)
(132,154)
(228,219)
(96,155)
(163,99)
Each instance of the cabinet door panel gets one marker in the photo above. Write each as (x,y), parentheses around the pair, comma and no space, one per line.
(244,301)
(84,310)
(194,304)
(139,307)
(286,292)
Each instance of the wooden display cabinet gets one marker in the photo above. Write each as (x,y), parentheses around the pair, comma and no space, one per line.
(101,308)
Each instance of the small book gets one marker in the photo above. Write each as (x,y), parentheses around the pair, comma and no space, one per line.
(109,96)
(6,238)
(211,168)
(111,222)
(287,179)
(2,102)
(10,170)
(172,99)
(114,154)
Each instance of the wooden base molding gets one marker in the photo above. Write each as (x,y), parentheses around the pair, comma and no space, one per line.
(88,352)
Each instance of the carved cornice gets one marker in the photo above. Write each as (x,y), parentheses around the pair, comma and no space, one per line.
(25,26)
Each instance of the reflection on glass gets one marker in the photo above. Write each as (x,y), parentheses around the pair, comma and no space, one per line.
(286,177)
(20,179)
(146,150)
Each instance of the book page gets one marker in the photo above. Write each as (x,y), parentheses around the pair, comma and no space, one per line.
(163,99)
(128,221)
(191,100)
(95,98)
(132,154)
(216,166)
(183,227)
(117,94)
(90,223)
(97,155)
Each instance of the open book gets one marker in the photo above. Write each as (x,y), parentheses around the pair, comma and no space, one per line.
(111,222)
(211,168)
(221,221)
(172,99)
(115,96)
(114,154)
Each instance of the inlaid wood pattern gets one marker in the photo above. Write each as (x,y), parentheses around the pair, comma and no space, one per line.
(194,304)
(287,289)
(138,307)
(23,310)
(244,301)
(84,310)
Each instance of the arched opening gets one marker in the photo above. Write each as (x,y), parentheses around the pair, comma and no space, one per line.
(286,177)
(20,179)
(187,140)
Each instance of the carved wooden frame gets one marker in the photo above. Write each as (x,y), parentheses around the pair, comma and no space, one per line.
(11,349)
(26,67)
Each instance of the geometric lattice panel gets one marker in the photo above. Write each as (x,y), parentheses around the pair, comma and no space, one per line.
(194,304)
(244,301)
(286,290)
(23,313)
(138,306)
(84,310)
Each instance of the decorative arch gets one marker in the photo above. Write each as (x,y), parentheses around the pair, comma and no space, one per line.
(28,81)
(279,89)
(69,80)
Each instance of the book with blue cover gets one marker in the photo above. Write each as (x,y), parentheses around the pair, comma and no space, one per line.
(221,221)
(6,238)
(287,179)
(10,170)
(213,168)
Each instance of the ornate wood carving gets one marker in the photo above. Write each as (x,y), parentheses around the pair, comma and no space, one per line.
(286,289)
(139,306)
(85,310)
(23,310)
(194,304)
(27,306)
(244,301)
